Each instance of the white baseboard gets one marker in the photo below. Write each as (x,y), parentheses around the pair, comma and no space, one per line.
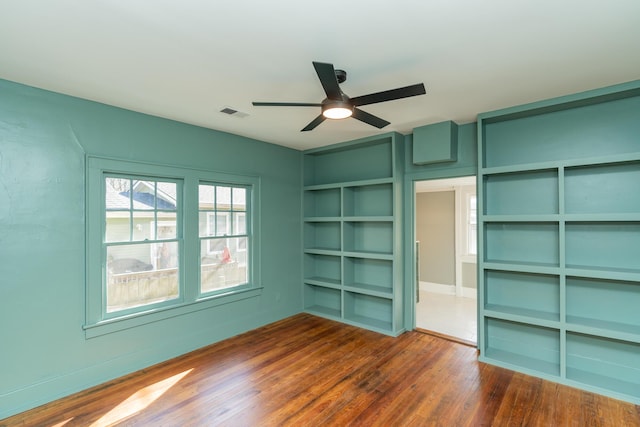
(439,288)
(470,292)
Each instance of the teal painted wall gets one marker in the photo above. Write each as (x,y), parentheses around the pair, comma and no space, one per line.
(44,138)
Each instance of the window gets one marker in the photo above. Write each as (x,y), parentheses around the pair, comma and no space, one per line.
(224,237)
(141,245)
(164,240)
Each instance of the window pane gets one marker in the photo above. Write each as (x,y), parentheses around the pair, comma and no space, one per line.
(224,267)
(473,244)
(141,274)
(215,247)
(223,228)
(239,223)
(204,224)
(223,198)
(117,193)
(166,225)
(239,199)
(206,197)
(144,195)
(167,196)
(117,227)
(144,226)
(472,210)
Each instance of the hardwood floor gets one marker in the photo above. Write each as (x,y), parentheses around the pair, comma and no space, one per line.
(308,371)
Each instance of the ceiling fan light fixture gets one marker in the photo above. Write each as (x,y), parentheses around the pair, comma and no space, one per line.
(337,110)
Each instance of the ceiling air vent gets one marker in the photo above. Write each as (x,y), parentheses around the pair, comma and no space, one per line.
(233,112)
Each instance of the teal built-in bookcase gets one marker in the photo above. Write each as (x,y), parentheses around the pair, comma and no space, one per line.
(559,240)
(353,234)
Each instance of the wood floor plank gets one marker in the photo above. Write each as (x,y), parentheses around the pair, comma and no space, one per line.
(309,371)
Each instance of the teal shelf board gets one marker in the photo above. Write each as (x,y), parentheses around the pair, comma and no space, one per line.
(521,267)
(317,251)
(368,218)
(623,389)
(518,362)
(363,288)
(567,102)
(368,255)
(529,317)
(616,330)
(370,323)
(602,217)
(602,160)
(363,182)
(523,315)
(556,164)
(322,219)
(317,187)
(632,275)
(523,167)
(521,218)
(322,311)
(323,281)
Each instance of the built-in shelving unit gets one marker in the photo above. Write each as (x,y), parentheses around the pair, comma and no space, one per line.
(559,240)
(352,233)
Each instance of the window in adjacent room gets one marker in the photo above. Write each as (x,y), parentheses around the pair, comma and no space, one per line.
(472,225)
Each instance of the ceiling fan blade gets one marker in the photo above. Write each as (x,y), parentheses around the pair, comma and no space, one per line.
(369,119)
(286,104)
(314,123)
(327,75)
(389,95)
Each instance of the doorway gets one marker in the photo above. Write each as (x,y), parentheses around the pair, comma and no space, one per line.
(446,264)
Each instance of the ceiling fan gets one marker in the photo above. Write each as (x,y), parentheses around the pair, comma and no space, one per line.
(337,105)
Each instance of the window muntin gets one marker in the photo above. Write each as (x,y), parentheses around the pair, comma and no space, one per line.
(141,246)
(224,237)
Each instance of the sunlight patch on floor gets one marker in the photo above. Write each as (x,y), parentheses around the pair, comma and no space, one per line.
(62,423)
(139,400)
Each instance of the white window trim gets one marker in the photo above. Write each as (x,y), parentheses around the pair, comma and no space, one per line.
(96,323)
(462,206)
(470,228)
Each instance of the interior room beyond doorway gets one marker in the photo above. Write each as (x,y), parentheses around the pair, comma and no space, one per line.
(446,250)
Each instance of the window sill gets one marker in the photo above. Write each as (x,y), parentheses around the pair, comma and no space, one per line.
(155,315)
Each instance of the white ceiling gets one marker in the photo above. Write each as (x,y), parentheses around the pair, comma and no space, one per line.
(187,59)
